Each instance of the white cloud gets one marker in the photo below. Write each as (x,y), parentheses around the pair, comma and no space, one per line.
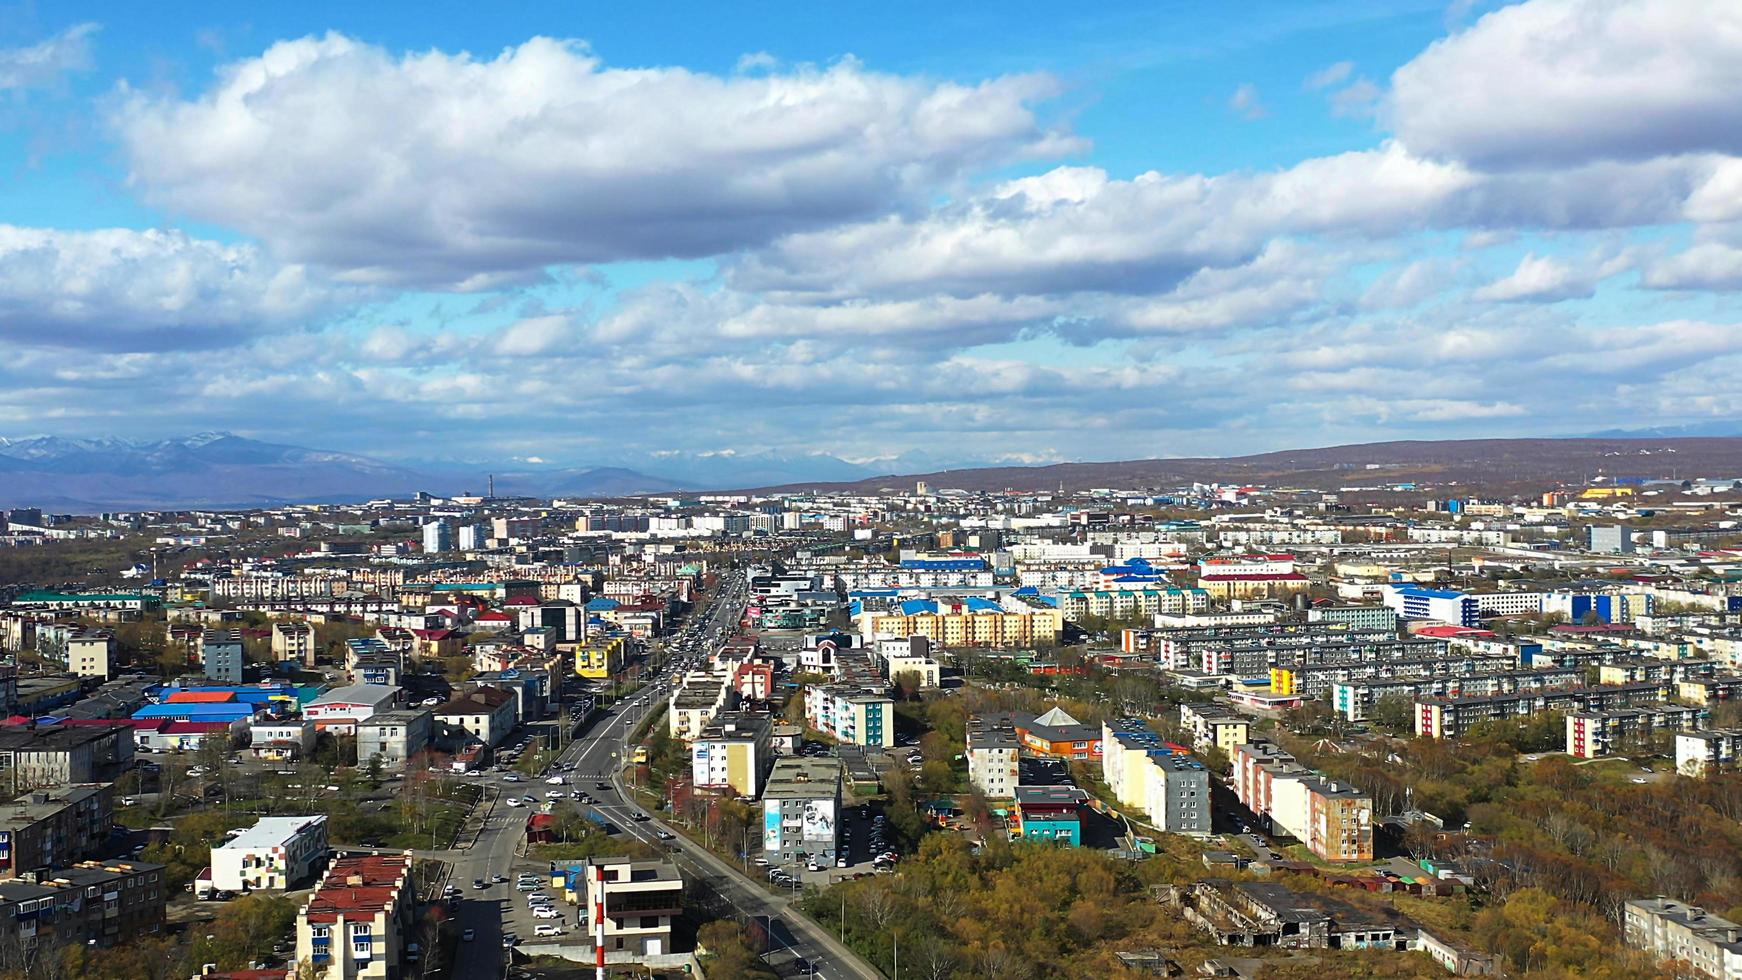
(1710,265)
(1540,279)
(536,335)
(1558,82)
(1076,229)
(145,290)
(44,63)
(1244,102)
(1358,98)
(1329,75)
(448,170)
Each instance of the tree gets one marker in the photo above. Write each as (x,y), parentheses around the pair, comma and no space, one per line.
(1394,713)
(731,951)
(213,755)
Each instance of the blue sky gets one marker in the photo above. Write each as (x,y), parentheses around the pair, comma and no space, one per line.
(985,232)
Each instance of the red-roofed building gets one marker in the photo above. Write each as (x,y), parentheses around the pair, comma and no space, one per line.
(1450,632)
(201,697)
(357,922)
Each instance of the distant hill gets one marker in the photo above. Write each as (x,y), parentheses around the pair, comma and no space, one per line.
(221,470)
(1496,463)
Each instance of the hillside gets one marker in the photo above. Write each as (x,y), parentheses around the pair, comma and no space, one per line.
(1500,464)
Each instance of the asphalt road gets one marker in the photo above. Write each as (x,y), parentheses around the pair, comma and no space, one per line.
(598,757)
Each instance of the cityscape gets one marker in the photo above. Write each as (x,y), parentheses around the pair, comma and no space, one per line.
(825,492)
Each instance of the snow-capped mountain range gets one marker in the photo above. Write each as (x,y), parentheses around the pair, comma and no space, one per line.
(221,469)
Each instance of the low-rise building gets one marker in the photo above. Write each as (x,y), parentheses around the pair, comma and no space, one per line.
(801,808)
(356,923)
(487,713)
(276,854)
(281,740)
(339,710)
(631,905)
(1049,813)
(32,757)
(732,753)
(394,737)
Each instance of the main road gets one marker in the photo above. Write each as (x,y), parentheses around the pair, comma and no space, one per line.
(597,758)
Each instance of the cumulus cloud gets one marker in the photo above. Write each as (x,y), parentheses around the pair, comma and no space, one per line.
(1560,82)
(47,61)
(1539,279)
(1711,265)
(1077,228)
(120,289)
(454,171)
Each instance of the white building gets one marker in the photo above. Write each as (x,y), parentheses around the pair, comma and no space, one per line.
(275,854)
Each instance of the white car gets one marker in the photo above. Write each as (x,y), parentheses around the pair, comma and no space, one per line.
(555,781)
(547,929)
(515,801)
(546,912)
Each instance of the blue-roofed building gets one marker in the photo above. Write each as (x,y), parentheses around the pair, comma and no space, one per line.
(1451,607)
(206,711)
(914,607)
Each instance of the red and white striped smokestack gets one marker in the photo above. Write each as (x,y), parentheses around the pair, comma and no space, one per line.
(599,922)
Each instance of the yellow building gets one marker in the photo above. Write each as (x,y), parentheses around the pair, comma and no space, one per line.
(971,629)
(599,658)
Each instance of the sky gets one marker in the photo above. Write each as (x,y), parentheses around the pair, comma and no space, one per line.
(986,232)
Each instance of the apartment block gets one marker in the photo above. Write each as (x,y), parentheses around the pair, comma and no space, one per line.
(994,753)
(221,656)
(1594,734)
(1212,725)
(801,809)
(1453,717)
(293,641)
(733,753)
(53,828)
(1334,820)
(856,715)
(91,653)
(1709,945)
(356,923)
(92,903)
(1700,754)
(1158,777)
